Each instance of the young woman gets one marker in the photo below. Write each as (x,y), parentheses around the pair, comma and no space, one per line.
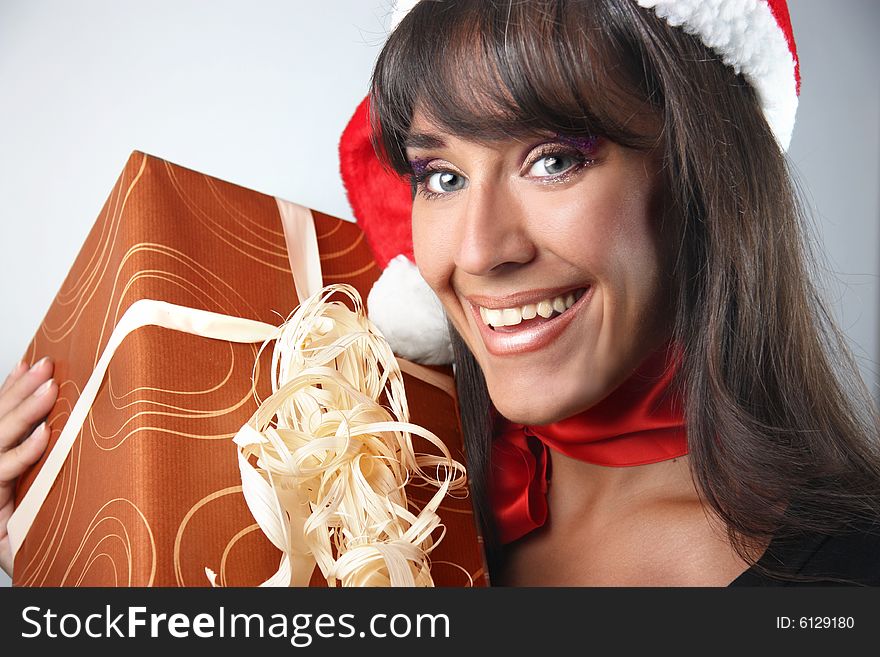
(651,388)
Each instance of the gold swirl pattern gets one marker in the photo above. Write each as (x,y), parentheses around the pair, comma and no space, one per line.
(165,413)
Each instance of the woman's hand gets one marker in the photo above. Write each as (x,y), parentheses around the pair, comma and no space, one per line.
(26,397)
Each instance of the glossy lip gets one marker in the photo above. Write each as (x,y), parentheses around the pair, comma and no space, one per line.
(532,338)
(521,298)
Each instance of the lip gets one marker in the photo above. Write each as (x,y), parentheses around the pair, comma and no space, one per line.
(532,338)
(520,298)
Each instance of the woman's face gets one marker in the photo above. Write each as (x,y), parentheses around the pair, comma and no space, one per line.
(504,231)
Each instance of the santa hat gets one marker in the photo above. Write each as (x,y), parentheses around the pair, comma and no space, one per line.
(754,37)
(400,303)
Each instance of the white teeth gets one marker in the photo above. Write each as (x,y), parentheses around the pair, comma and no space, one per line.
(493,317)
(545,309)
(513,316)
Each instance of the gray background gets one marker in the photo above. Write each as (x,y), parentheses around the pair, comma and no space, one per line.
(257,93)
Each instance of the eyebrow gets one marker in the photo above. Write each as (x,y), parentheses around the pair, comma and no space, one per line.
(423,140)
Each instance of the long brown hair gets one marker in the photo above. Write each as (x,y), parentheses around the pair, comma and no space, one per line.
(775,408)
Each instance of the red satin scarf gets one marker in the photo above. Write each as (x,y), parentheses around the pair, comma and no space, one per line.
(636,424)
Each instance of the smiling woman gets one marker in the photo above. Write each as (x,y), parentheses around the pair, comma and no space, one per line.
(507,243)
(651,388)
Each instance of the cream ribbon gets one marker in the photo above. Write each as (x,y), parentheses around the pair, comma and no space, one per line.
(313,488)
(305,264)
(302,248)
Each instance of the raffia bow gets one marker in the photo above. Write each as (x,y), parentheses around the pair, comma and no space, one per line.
(325,465)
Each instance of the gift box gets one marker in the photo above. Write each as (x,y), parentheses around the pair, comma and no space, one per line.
(148,492)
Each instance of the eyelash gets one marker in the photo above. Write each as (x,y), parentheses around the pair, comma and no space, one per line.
(582,160)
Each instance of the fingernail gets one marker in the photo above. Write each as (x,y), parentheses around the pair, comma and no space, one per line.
(43,389)
(39,362)
(40,428)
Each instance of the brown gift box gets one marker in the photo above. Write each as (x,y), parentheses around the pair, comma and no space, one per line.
(150,493)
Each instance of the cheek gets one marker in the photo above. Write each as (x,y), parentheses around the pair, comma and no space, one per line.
(432,249)
(631,227)
(609,231)
(636,257)
(636,254)
(614,239)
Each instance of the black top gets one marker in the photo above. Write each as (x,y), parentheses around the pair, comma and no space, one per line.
(847,558)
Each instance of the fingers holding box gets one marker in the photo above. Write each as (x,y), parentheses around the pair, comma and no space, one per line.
(26,398)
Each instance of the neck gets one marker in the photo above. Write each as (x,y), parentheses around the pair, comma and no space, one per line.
(629,447)
(580,490)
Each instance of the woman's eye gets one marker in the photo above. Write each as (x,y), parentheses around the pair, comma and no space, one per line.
(552,165)
(442,182)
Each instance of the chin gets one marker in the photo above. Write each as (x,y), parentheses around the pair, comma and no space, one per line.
(568,394)
(535,409)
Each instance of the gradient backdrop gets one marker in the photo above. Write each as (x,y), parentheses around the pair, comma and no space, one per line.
(257,93)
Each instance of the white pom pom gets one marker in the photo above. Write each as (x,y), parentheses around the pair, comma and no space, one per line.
(409,314)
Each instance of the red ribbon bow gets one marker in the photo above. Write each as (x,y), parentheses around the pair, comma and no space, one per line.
(638,423)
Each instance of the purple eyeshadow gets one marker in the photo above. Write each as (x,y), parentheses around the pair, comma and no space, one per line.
(587,143)
(419,166)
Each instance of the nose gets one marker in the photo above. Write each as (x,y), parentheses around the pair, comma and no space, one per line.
(492,233)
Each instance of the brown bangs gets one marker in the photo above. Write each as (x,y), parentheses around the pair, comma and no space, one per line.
(511,70)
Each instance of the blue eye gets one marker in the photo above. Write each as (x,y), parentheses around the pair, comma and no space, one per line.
(444,181)
(552,165)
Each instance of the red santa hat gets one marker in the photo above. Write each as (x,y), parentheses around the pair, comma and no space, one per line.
(754,37)
(400,303)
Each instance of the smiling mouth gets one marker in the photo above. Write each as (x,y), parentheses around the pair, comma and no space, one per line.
(511,320)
